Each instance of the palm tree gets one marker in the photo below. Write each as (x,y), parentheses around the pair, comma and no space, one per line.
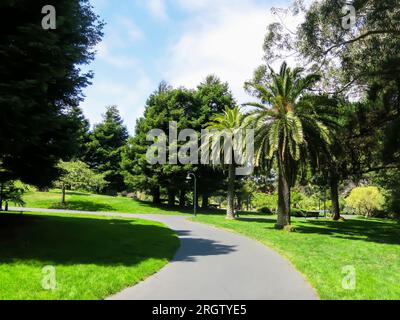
(289,127)
(222,126)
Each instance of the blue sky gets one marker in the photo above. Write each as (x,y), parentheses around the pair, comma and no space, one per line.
(179,41)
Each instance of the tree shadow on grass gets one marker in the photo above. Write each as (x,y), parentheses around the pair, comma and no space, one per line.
(365,230)
(258,220)
(352,229)
(68,193)
(164,207)
(83,205)
(77,193)
(54,240)
(69,240)
(189,210)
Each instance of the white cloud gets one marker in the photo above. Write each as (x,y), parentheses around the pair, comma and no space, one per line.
(221,37)
(118,61)
(119,78)
(122,33)
(127,96)
(224,39)
(133,31)
(158,9)
(119,37)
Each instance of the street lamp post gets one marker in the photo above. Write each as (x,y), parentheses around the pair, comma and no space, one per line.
(191,176)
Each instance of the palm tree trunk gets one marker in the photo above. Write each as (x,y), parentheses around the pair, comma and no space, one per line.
(334,196)
(283,201)
(230,210)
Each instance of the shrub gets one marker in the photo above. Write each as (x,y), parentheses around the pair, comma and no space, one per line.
(123,194)
(11,192)
(265,210)
(299,200)
(296,212)
(262,200)
(365,200)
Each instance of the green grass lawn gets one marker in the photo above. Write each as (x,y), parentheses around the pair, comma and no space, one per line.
(321,248)
(93,202)
(93,257)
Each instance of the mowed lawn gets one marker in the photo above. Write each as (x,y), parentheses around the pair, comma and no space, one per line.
(93,202)
(93,257)
(320,249)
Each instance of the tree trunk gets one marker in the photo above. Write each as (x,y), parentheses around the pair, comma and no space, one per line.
(230,210)
(334,197)
(283,201)
(63,195)
(204,203)
(156,195)
(182,198)
(171,198)
(6,206)
(1,195)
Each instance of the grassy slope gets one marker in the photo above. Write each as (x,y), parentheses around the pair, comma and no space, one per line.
(320,249)
(91,202)
(93,257)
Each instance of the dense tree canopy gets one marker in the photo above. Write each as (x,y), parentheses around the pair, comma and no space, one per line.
(357,58)
(40,84)
(164,105)
(334,127)
(190,109)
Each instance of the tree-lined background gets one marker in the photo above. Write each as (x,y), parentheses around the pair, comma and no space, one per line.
(326,134)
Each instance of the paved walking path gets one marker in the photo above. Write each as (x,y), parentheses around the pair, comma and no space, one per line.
(214,264)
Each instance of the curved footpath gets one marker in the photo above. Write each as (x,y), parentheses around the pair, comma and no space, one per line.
(214,264)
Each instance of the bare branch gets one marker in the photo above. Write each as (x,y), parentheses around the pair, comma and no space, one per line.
(365,35)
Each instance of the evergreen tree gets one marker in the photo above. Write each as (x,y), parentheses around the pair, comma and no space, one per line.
(163,106)
(189,109)
(105,146)
(40,84)
(214,96)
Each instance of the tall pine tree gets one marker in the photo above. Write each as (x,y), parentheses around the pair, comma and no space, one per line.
(105,146)
(40,84)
